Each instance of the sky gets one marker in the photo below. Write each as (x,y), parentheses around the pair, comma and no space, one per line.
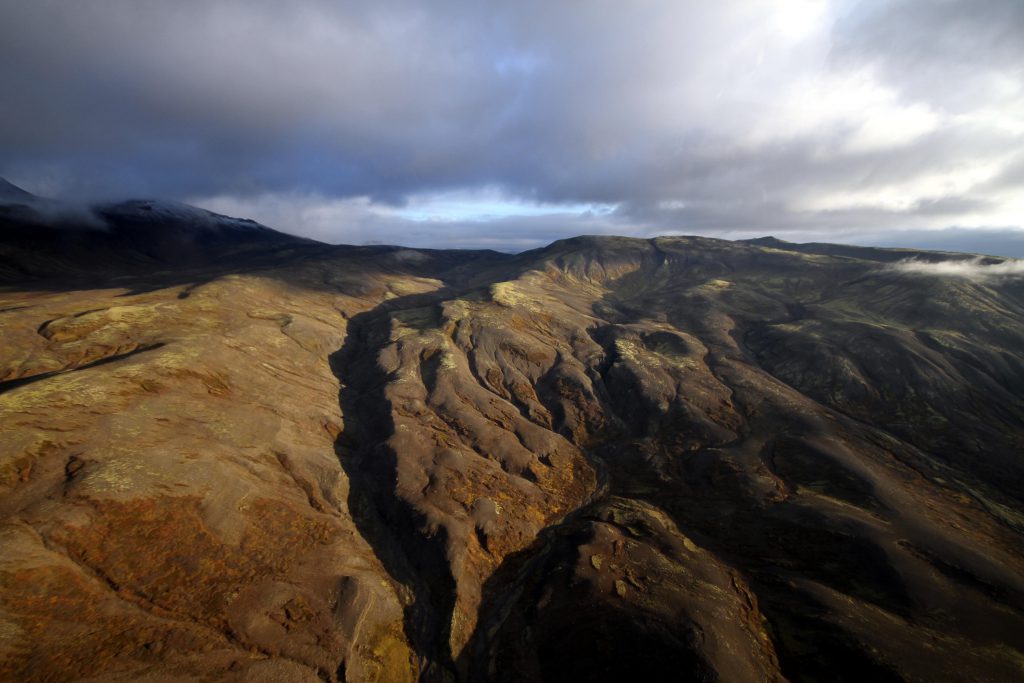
(507,125)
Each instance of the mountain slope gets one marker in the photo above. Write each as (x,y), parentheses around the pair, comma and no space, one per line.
(607,458)
(44,238)
(11,193)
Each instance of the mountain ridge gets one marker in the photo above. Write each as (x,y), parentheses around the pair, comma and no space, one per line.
(179,214)
(604,458)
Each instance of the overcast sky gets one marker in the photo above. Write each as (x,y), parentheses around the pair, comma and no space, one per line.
(507,125)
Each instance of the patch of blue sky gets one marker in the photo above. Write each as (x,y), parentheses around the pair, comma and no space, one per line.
(449,208)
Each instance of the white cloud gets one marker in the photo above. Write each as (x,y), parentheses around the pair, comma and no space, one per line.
(972,269)
(901,195)
(485,220)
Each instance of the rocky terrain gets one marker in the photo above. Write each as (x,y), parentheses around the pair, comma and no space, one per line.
(227,454)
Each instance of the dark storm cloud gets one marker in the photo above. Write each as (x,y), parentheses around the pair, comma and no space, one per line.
(326,117)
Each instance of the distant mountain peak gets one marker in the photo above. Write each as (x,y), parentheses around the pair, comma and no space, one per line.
(9,192)
(177,213)
(766,241)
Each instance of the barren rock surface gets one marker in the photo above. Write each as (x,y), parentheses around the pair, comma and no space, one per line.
(668,459)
